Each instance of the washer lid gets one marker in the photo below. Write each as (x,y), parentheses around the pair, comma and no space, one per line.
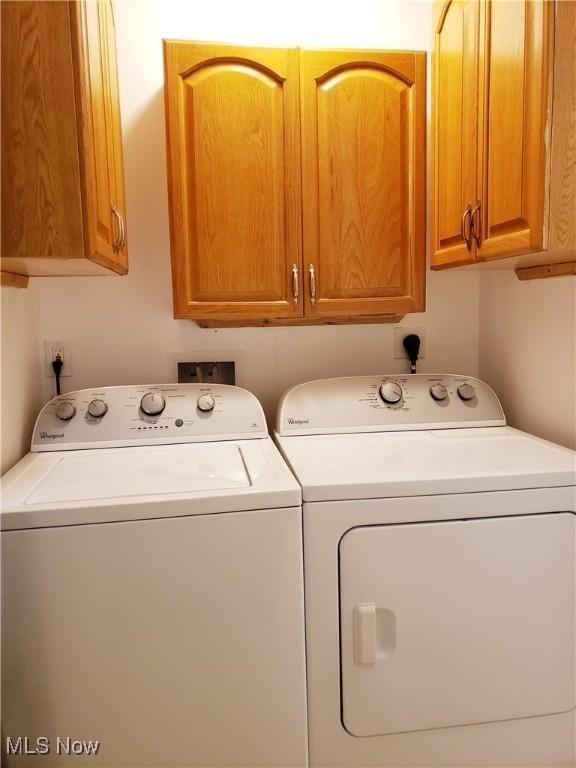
(110,474)
(120,484)
(381,465)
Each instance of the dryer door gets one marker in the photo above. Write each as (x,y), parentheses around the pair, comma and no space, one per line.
(453,623)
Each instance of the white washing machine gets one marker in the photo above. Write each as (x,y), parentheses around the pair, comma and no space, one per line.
(152,585)
(439,551)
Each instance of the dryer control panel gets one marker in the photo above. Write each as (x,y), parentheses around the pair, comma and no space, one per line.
(388,403)
(114,417)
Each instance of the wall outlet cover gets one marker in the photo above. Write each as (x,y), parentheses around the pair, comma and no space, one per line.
(53,347)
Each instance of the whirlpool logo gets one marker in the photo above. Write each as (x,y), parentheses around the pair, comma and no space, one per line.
(50,435)
(293,421)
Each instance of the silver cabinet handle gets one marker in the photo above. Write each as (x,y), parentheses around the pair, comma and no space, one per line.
(295,288)
(312,272)
(118,244)
(475,228)
(466,215)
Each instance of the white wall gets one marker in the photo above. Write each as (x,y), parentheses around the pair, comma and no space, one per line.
(528,350)
(20,391)
(121,330)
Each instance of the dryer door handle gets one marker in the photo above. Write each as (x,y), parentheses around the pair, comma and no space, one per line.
(374,634)
(365,634)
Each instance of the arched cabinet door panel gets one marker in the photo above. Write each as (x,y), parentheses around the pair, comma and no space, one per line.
(363,171)
(455,131)
(512,162)
(234,178)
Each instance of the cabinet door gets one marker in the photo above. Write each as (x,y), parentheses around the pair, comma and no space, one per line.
(454,131)
(114,133)
(41,193)
(100,135)
(234,180)
(363,172)
(512,162)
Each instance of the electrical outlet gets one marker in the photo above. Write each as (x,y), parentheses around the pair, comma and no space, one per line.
(400,333)
(53,347)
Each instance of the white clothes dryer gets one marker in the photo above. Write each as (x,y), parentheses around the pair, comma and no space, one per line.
(439,550)
(152,593)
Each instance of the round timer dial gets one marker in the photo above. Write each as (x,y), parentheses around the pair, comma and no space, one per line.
(153,403)
(391,392)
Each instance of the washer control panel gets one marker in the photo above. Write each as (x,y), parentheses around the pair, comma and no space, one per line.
(388,403)
(114,417)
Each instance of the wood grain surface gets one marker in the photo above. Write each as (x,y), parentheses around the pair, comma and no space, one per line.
(41,196)
(234,180)
(455,129)
(562,220)
(10,280)
(363,176)
(546,270)
(100,135)
(300,321)
(62,169)
(514,81)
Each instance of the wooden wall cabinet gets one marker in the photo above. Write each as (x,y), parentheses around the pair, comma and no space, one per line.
(296,183)
(63,209)
(492,126)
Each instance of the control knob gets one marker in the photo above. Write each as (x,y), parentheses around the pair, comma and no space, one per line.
(205,403)
(391,392)
(153,403)
(466,392)
(65,410)
(97,408)
(438,392)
